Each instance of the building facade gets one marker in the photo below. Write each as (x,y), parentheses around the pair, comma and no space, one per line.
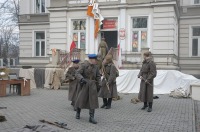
(189,37)
(134,24)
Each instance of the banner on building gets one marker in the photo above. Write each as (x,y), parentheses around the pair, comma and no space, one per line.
(109,24)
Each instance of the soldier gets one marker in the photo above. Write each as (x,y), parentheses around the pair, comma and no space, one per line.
(74,85)
(109,87)
(103,48)
(90,79)
(147,74)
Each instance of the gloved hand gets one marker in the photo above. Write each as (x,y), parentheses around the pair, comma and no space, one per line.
(83,81)
(146,81)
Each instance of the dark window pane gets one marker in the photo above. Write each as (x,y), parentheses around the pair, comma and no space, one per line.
(196,1)
(195,47)
(144,39)
(135,41)
(139,22)
(43,5)
(42,48)
(37,47)
(40,35)
(79,25)
(196,31)
(37,6)
(82,42)
(5,62)
(11,62)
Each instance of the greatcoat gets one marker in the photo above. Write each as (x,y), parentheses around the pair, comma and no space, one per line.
(148,72)
(88,97)
(103,47)
(74,85)
(110,78)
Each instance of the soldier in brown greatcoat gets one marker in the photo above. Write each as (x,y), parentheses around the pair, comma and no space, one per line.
(74,85)
(103,48)
(147,74)
(109,87)
(90,79)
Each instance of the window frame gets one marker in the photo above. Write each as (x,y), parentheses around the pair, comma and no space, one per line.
(72,31)
(192,2)
(40,40)
(40,12)
(191,37)
(139,30)
(1,60)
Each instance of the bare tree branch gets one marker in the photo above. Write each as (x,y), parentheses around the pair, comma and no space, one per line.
(9,39)
(2,6)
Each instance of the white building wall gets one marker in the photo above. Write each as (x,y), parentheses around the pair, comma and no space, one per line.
(28,6)
(58,30)
(27,39)
(24,7)
(186,2)
(164,31)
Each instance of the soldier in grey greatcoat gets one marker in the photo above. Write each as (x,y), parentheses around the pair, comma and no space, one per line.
(103,48)
(147,74)
(109,87)
(74,85)
(90,79)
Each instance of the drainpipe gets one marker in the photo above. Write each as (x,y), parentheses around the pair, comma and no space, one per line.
(178,21)
(179,44)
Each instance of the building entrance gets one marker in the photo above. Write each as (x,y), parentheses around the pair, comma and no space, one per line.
(110,38)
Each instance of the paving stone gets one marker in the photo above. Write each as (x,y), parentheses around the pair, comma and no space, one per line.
(197,115)
(168,115)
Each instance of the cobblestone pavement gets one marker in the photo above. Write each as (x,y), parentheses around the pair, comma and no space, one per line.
(197,115)
(168,115)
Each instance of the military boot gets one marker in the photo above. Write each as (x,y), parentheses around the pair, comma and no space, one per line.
(104,102)
(150,107)
(109,103)
(91,119)
(145,106)
(78,111)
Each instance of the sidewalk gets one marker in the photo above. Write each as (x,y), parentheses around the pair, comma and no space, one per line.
(168,115)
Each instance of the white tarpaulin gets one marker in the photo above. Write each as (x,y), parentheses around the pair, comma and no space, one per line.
(164,83)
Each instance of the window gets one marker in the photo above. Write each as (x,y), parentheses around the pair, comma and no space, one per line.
(79,33)
(1,62)
(12,62)
(40,43)
(196,2)
(40,6)
(139,33)
(195,41)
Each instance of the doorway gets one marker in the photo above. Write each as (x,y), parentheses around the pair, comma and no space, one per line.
(110,38)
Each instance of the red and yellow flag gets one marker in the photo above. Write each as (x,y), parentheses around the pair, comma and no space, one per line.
(96,30)
(90,8)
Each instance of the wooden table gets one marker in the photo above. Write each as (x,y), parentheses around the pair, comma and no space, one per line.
(25,89)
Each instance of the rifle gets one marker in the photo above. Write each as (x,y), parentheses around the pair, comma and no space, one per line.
(103,73)
(146,81)
(60,125)
(3,107)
